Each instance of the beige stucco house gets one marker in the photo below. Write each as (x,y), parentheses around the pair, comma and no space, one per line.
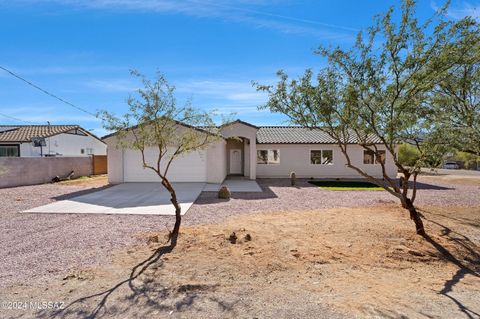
(254,152)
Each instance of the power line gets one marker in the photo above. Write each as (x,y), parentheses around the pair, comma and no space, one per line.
(46,92)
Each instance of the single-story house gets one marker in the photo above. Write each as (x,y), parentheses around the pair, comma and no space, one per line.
(251,151)
(48,140)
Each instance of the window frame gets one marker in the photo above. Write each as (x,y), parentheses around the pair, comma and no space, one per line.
(12,145)
(267,162)
(321,156)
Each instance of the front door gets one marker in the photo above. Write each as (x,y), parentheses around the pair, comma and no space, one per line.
(235,161)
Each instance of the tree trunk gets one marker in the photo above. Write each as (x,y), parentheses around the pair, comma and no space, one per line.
(178,210)
(401,183)
(415,216)
(178,217)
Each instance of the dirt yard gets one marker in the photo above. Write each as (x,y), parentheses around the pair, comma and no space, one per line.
(92,181)
(314,254)
(328,263)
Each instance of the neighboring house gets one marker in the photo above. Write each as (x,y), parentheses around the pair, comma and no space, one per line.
(48,140)
(251,151)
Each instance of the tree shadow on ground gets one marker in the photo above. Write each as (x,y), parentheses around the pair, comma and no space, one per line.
(147,294)
(425,186)
(304,182)
(80,193)
(468,265)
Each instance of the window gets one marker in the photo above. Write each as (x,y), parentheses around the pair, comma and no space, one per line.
(89,151)
(273,157)
(369,157)
(10,150)
(82,151)
(380,157)
(322,157)
(262,157)
(268,157)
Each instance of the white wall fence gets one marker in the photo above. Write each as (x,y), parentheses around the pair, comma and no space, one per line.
(20,171)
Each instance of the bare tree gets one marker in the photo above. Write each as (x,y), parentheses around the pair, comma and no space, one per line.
(161,131)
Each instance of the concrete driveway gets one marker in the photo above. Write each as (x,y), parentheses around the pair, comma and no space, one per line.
(128,198)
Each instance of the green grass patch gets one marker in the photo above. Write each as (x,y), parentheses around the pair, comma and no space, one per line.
(346,185)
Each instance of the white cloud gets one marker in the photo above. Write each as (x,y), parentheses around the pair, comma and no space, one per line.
(461,10)
(206,93)
(41,114)
(236,93)
(238,110)
(113,85)
(245,11)
(65,70)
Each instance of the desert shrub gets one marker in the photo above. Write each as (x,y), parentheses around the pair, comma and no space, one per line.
(224,192)
(469,160)
(293,178)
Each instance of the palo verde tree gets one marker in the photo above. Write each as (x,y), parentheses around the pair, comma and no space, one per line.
(375,93)
(456,99)
(161,131)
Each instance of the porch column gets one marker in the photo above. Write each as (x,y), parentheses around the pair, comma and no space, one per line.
(253,159)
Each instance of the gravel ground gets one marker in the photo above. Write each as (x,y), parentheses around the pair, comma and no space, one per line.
(278,195)
(38,246)
(456,172)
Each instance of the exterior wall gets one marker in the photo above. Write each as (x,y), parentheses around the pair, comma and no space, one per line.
(18,171)
(65,145)
(296,157)
(114,162)
(217,162)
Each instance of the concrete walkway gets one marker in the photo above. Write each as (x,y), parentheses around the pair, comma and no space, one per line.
(235,186)
(128,198)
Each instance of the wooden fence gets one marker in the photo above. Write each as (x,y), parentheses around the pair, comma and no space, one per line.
(99,164)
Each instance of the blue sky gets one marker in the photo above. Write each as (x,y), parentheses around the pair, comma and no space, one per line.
(210,50)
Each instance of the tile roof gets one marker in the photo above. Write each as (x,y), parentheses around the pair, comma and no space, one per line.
(25,133)
(204,129)
(298,135)
(242,122)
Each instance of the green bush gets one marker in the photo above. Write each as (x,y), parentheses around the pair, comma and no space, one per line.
(408,154)
(469,160)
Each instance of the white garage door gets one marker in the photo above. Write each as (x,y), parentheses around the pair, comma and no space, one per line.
(191,167)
